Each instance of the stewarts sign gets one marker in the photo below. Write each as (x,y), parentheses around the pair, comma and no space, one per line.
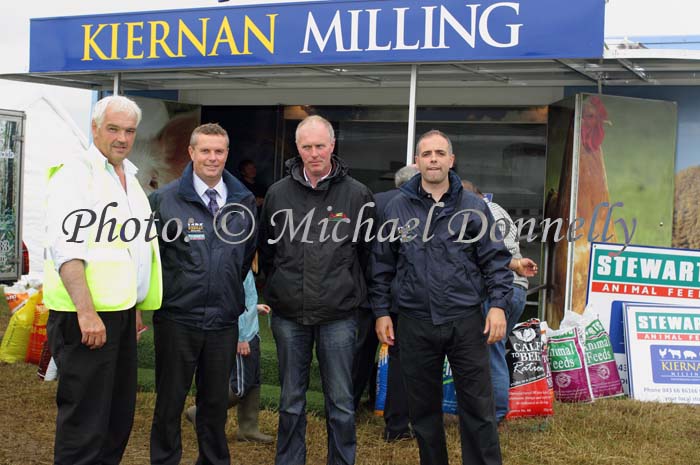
(332,32)
(644,276)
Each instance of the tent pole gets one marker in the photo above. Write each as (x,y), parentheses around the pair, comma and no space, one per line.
(411,115)
(117,84)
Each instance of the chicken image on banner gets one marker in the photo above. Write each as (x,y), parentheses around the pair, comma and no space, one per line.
(592,192)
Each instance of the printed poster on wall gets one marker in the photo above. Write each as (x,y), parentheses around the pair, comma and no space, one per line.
(609,160)
(651,275)
(663,352)
(160,150)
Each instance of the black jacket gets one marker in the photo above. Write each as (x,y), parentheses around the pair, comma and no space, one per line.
(311,280)
(202,274)
(440,279)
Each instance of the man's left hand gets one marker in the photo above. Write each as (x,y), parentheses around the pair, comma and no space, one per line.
(495,325)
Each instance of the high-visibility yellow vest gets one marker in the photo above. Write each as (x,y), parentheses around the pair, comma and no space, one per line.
(109,271)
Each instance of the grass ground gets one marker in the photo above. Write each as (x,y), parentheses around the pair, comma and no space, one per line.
(268,368)
(608,432)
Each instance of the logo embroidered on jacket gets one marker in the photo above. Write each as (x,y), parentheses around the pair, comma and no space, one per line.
(337,216)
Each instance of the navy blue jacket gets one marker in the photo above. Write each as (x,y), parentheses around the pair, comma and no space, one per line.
(202,274)
(382,199)
(440,279)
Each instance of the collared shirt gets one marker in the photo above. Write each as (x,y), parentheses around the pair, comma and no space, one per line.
(322,177)
(429,200)
(68,192)
(201,188)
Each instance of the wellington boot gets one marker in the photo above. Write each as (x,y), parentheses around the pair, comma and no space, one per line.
(191,412)
(248,413)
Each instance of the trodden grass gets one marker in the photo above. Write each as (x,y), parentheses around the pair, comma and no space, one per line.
(607,432)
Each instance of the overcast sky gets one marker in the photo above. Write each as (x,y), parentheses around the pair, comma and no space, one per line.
(652,17)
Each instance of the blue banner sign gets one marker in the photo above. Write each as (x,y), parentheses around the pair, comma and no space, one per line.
(334,32)
(675,364)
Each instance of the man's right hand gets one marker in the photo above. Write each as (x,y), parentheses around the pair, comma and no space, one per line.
(385,330)
(91,326)
(92,329)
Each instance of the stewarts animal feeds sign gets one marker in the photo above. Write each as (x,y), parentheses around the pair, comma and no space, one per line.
(663,352)
(650,275)
(328,32)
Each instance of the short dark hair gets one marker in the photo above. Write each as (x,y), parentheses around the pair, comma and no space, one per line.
(208,129)
(434,132)
(244,163)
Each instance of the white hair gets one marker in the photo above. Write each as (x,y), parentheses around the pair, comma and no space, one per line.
(315,119)
(116,103)
(404,174)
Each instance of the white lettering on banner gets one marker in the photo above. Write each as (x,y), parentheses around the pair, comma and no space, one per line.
(335,29)
(650,268)
(667,269)
(476,24)
(671,323)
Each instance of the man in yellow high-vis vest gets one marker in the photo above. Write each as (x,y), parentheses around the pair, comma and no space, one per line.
(100,271)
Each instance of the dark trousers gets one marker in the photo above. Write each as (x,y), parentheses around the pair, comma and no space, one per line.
(245,373)
(181,352)
(424,346)
(96,393)
(363,364)
(396,407)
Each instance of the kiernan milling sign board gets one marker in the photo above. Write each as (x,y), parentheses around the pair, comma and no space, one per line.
(663,352)
(333,32)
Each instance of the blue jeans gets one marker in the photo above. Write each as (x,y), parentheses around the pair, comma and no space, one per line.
(500,377)
(334,351)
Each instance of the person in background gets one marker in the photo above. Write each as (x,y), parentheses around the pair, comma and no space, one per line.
(248,172)
(395,408)
(522,268)
(204,269)
(94,286)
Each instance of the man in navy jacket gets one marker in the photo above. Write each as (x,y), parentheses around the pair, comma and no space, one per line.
(446,264)
(204,265)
